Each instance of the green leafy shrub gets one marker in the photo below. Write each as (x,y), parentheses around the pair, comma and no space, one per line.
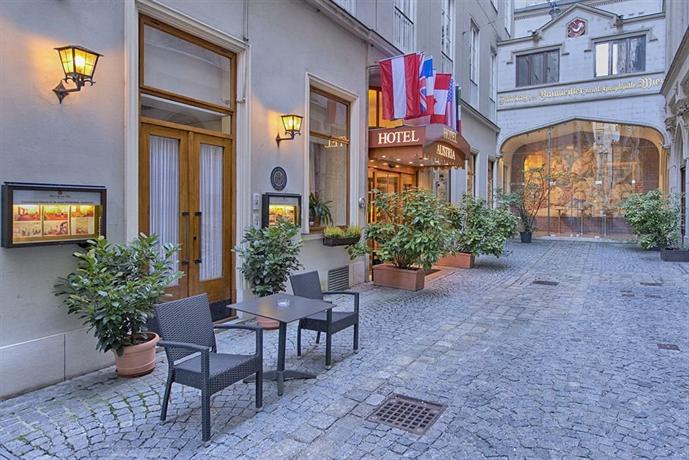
(115,287)
(410,229)
(653,219)
(477,229)
(268,256)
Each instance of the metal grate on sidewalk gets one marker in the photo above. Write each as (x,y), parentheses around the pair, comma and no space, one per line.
(406,413)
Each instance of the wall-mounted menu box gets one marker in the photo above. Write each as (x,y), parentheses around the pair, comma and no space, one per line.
(285,206)
(43,214)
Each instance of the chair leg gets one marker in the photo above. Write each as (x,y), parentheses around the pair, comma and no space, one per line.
(328,350)
(318,337)
(206,414)
(299,340)
(259,389)
(356,337)
(166,398)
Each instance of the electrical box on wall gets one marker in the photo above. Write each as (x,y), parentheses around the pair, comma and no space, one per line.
(47,214)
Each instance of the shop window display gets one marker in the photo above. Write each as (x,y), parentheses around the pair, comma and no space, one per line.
(587,169)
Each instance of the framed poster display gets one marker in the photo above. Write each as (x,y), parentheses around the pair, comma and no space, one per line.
(45,214)
(281,206)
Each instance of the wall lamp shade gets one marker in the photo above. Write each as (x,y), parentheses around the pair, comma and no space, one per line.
(79,66)
(292,125)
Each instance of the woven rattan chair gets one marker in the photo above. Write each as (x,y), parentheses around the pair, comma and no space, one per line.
(309,285)
(187,335)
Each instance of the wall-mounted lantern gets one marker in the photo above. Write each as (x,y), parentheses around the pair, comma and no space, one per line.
(79,65)
(292,125)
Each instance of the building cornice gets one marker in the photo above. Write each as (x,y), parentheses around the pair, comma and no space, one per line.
(344,19)
(678,60)
(481,118)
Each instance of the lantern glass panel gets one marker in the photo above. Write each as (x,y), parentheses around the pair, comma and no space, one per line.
(67,59)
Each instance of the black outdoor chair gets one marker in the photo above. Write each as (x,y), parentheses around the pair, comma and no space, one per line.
(187,335)
(309,285)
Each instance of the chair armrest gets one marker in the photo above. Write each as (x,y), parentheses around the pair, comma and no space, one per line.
(355,294)
(187,346)
(258,330)
(205,354)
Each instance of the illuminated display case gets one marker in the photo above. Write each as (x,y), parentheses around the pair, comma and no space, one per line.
(44,214)
(281,206)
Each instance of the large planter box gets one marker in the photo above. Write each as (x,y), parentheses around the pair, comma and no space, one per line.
(459,260)
(674,255)
(340,241)
(389,276)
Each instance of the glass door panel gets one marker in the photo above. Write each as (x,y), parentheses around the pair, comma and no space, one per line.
(210,179)
(163,194)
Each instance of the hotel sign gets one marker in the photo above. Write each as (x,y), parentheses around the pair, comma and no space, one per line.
(398,137)
(596,89)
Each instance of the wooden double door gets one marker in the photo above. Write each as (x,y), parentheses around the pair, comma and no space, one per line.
(186,189)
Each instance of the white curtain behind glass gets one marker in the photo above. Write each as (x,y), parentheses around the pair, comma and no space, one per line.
(211,211)
(164,191)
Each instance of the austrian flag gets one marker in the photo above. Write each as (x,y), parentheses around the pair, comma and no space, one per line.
(399,80)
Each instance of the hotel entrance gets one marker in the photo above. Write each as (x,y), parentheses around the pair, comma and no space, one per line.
(413,156)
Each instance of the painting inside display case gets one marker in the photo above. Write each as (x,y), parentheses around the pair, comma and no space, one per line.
(40,214)
(586,169)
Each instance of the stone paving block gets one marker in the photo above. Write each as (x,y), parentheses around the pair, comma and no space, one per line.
(525,371)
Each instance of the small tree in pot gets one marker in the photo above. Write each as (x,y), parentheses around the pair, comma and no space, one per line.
(268,256)
(113,291)
(476,229)
(410,234)
(655,220)
(527,199)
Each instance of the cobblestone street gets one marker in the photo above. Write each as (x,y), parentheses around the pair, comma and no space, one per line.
(526,371)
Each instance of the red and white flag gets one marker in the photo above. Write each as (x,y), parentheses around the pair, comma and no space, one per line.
(399,78)
(440,96)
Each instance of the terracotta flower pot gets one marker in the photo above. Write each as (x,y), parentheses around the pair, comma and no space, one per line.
(138,359)
(267,323)
(398,278)
(458,260)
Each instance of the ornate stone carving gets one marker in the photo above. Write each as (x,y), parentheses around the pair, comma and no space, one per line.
(671,124)
(681,107)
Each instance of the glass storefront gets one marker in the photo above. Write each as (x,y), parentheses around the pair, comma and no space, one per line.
(585,170)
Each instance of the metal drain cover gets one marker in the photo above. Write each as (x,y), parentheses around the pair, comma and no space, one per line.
(406,413)
(668,346)
(545,282)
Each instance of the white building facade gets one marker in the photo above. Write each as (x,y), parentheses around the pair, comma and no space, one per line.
(579,109)
(675,89)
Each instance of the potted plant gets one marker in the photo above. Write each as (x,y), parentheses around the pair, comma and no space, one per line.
(527,199)
(476,229)
(654,219)
(113,291)
(338,236)
(409,235)
(319,211)
(268,256)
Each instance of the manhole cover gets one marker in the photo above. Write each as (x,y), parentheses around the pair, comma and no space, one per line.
(405,413)
(545,282)
(668,346)
(650,283)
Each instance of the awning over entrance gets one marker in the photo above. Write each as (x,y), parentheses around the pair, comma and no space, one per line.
(433,145)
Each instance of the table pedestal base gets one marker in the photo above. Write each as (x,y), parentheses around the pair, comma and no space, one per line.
(286,375)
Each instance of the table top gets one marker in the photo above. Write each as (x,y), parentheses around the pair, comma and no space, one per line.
(267,307)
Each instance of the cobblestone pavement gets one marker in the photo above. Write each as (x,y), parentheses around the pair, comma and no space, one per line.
(526,371)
